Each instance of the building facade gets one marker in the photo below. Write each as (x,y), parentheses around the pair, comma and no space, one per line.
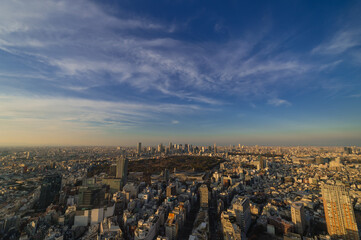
(298,217)
(339,213)
(204,195)
(243,213)
(122,168)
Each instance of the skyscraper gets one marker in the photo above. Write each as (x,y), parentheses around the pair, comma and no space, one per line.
(139,148)
(339,214)
(171,227)
(160,147)
(122,168)
(215,148)
(229,227)
(298,217)
(204,195)
(50,187)
(243,212)
(166,175)
(171,190)
(262,163)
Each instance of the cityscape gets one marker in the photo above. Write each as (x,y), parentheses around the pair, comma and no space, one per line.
(180,120)
(177,191)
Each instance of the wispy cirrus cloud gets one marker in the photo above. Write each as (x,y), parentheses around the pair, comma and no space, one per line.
(94,47)
(94,65)
(340,42)
(91,112)
(279,102)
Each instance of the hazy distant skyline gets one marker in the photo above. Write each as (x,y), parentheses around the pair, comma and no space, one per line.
(121,72)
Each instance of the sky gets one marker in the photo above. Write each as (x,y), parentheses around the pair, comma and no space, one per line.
(200,72)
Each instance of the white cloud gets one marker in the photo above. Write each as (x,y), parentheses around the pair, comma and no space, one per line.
(279,102)
(119,115)
(330,66)
(87,46)
(340,42)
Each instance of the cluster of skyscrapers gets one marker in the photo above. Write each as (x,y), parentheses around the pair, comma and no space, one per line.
(174,148)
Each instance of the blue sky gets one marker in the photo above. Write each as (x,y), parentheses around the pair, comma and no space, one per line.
(115,73)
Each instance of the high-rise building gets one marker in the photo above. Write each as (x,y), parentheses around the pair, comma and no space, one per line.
(298,217)
(262,163)
(171,227)
(122,168)
(91,196)
(171,190)
(166,175)
(243,212)
(204,195)
(50,187)
(229,227)
(215,148)
(347,150)
(139,148)
(115,184)
(339,213)
(186,147)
